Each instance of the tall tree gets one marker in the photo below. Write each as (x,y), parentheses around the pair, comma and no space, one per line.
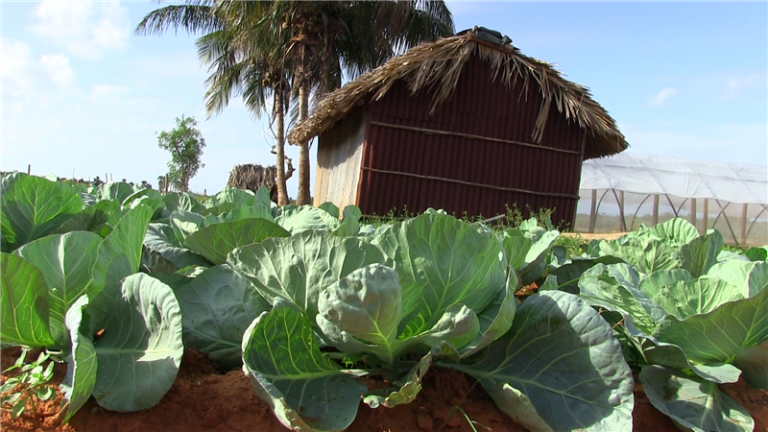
(185,143)
(259,76)
(326,38)
(312,44)
(255,72)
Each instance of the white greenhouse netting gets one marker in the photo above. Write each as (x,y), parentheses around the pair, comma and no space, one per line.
(622,192)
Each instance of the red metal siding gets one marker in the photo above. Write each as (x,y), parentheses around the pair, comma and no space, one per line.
(478,107)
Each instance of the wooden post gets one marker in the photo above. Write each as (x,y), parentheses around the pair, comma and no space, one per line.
(692,216)
(578,185)
(205,192)
(655,209)
(705,215)
(593,211)
(29,169)
(622,222)
(744,225)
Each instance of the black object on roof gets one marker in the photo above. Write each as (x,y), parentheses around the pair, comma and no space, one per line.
(488,35)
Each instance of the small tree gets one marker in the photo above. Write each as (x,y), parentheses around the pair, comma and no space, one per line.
(186,145)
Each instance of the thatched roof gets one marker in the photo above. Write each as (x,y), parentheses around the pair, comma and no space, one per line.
(437,66)
(252,176)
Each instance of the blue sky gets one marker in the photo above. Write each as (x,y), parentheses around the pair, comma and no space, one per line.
(80,91)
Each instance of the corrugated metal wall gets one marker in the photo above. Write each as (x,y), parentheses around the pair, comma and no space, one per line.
(402,167)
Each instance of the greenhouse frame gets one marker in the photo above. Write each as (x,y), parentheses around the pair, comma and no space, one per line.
(621,192)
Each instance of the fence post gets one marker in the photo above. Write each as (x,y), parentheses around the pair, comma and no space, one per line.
(593,211)
(744,225)
(692,216)
(655,209)
(29,169)
(706,215)
(622,222)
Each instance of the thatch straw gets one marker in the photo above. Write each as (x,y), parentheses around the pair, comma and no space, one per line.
(437,67)
(251,176)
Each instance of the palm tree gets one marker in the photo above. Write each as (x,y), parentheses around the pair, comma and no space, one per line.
(326,38)
(253,74)
(308,44)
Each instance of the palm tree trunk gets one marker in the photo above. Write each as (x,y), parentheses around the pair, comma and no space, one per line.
(282,195)
(303,197)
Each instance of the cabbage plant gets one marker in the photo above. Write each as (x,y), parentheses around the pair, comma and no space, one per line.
(189,238)
(428,290)
(689,317)
(59,291)
(308,302)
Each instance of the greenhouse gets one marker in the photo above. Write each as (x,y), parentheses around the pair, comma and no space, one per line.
(622,192)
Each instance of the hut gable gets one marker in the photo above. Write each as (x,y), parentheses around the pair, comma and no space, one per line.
(338,165)
(437,67)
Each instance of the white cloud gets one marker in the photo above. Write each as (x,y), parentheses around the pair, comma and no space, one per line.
(20,74)
(15,61)
(58,69)
(737,84)
(82,29)
(101,92)
(662,96)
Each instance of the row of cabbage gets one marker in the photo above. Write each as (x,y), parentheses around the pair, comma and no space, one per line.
(118,281)
(690,316)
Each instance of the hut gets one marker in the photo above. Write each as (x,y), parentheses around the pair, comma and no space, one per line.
(467,124)
(252,176)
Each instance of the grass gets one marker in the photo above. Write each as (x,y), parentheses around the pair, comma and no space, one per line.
(513,218)
(756,235)
(574,245)
(458,408)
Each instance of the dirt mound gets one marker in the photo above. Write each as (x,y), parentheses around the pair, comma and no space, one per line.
(436,409)
(755,401)
(200,400)
(48,414)
(204,400)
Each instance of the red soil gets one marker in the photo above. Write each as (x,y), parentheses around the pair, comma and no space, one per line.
(203,400)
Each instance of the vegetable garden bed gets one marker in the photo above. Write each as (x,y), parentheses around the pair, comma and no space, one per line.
(320,323)
(203,399)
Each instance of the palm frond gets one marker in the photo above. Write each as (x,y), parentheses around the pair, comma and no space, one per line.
(215,47)
(421,26)
(222,86)
(254,92)
(254,71)
(440,14)
(194,18)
